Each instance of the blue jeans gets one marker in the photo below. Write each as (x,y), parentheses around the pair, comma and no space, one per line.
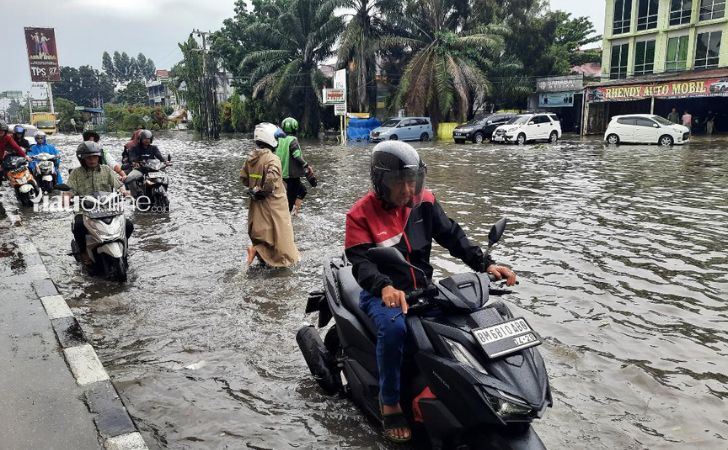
(391,336)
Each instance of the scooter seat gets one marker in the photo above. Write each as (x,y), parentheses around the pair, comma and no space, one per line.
(350,291)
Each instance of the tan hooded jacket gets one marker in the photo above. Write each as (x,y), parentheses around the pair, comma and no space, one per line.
(269,222)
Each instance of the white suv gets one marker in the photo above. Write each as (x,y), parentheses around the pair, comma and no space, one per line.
(645,129)
(529,127)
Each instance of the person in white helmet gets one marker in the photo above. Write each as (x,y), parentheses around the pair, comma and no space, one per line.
(269,222)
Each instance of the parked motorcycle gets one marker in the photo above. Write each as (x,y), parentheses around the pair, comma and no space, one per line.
(471,377)
(106,241)
(45,171)
(20,179)
(153,184)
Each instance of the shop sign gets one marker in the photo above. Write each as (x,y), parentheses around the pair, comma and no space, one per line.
(671,89)
(334,96)
(555,99)
(560,84)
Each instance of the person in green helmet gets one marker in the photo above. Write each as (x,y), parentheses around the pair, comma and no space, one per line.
(293,166)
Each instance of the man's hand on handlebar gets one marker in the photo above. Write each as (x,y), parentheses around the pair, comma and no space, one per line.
(502,272)
(394,298)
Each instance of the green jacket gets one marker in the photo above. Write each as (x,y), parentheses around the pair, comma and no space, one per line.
(84,182)
(292,162)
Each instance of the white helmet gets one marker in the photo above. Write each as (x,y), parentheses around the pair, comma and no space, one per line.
(265,135)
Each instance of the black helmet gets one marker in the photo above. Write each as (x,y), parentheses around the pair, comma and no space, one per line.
(396,161)
(88,148)
(145,134)
(4,126)
(91,134)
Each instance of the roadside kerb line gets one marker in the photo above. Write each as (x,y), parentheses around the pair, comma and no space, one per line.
(113,423)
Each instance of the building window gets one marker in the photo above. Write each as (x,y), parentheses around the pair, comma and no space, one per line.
(622,16)
(620,55)
(647,14)
(644,57)
(712,9)
(680,11)
(677,53)
(707,49)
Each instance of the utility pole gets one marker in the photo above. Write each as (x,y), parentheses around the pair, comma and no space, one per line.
(209,92)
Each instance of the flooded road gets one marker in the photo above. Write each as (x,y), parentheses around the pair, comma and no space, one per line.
(621,254)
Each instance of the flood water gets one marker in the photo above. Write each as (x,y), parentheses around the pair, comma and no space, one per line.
(620,252)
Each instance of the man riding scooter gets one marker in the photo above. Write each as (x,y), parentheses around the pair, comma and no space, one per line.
(41,146)
(402,214)
(8,147)
(138,155)
(19,137)
(91,177)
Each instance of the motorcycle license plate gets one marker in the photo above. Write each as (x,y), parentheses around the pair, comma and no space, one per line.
(506,338)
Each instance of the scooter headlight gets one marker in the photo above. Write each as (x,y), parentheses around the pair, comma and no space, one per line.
(461,354)
(508,406)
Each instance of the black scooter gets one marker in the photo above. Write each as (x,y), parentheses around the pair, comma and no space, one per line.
(472,376)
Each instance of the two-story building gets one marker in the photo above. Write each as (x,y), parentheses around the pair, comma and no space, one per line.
(659,55)
(158,91)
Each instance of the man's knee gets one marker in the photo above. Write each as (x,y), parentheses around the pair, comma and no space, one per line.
(393,331)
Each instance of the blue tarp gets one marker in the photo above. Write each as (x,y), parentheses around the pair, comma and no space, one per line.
(358,129)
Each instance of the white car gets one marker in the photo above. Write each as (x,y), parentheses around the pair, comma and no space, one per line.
(529,127)
(645,129)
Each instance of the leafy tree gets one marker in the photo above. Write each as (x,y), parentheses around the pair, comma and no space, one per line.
(66,110)
(185,78)
(286,72)
(15,111)
(84,86)
(359,45)
(135,93)
(124,69)
(444,75)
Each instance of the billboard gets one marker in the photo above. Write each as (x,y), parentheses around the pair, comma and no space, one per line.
(717,87)
(42,54)
(560,84)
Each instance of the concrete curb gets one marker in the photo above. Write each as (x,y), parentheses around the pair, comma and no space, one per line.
(116,429)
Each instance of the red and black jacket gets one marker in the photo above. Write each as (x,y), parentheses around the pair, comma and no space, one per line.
(411,231)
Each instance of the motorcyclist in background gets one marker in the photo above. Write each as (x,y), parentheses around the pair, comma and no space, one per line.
(41,146)
(106,158)
(19,137)
(140,153)
(8,147)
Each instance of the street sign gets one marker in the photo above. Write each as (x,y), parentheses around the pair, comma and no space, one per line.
(340,79)
(334,96)
(340,109)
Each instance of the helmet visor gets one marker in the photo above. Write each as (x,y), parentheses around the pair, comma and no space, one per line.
(404,185)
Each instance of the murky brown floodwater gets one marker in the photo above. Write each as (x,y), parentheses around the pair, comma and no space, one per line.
(621,254)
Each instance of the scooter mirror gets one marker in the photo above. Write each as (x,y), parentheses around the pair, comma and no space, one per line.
(63,187)
(386,256)
(496,231)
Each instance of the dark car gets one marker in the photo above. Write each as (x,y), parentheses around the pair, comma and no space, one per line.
(481,129)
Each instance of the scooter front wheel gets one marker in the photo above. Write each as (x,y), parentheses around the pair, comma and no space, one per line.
(514,437)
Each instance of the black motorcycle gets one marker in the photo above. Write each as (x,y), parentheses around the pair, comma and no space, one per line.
(153,185)
(472,377)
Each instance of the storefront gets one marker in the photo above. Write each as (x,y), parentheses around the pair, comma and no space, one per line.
(563,96)
(703,94)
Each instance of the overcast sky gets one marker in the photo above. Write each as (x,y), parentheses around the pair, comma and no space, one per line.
(87,28)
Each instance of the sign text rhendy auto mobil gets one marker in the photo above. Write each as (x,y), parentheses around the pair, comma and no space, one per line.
(673,89)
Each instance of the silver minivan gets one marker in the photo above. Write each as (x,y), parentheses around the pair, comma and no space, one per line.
(404,129)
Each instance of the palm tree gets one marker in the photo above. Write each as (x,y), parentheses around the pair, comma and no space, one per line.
(445,72)
(359,45)
(286,74)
